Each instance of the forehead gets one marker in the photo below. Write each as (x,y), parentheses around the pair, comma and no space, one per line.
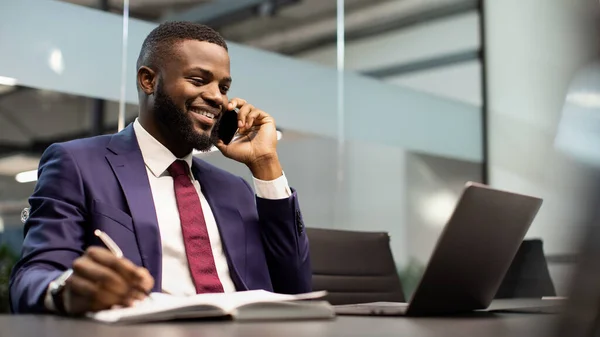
(190,54)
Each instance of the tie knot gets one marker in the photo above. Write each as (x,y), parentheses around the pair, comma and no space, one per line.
(178,168)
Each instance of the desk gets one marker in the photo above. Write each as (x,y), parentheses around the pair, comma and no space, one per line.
(478,324)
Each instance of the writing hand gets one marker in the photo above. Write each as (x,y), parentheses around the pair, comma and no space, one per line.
(101,280)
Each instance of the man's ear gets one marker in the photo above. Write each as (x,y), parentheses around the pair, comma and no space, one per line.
(146,79)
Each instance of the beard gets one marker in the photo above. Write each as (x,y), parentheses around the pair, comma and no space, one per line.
(178,124)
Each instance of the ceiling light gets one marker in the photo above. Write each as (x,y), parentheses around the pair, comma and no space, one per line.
(13,164)
(56,61)
(9,81)
(26,176)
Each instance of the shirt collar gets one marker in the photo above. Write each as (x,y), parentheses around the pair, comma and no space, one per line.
(156,156)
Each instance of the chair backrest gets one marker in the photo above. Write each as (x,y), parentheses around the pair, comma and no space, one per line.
(528,275)
(354,267)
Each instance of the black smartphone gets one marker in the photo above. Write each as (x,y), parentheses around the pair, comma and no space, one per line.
(227,126)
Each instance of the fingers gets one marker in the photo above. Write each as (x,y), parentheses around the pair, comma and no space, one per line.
(248,115)
(88,269)
(81,287)
(245,110)
(136,295)
(101,280)
(123,267)
(85,295)
(146,280)
(132,275)
(220,145)
(253,115)
(236,103)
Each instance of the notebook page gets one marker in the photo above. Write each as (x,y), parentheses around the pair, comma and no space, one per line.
(227,301)
(154,305)
(238,299)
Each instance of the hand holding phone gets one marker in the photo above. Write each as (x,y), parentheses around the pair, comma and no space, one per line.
(256,143)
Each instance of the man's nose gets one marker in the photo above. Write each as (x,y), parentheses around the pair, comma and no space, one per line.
(212,93)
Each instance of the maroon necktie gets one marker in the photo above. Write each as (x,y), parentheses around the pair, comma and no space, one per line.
(195,234)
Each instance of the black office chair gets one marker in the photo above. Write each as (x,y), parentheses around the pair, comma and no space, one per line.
(528,276)
(354,267)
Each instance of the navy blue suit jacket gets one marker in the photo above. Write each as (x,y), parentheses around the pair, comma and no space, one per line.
(101,183)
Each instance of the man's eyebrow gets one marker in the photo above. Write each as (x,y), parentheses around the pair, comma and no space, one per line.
(209,73)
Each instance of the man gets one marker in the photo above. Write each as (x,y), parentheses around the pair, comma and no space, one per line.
(184,226)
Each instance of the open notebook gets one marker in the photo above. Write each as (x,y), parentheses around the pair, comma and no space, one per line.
(244,305)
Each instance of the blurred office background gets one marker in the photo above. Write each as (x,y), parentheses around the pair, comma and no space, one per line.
(386,107)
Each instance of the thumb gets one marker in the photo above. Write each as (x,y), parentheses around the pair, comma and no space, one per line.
(221,146)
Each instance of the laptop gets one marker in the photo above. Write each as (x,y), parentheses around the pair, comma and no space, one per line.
(471,256)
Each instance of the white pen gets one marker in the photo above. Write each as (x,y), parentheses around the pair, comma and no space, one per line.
(112,246)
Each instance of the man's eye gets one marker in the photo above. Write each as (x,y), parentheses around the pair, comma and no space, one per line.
(224,89)
(197,81)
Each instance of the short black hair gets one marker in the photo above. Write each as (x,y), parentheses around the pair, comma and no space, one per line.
(158,45)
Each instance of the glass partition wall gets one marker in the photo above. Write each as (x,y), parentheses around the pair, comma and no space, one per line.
(378,102)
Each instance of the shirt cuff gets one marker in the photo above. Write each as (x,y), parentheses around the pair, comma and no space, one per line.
(272,189)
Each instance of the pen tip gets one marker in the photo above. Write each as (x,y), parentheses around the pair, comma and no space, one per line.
(97,232)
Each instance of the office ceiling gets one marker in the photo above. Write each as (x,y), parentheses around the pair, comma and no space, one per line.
(142,9)
(286,26)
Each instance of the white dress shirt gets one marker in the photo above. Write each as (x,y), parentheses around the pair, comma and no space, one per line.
(176,276)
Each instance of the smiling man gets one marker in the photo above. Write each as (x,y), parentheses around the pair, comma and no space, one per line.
(184,226)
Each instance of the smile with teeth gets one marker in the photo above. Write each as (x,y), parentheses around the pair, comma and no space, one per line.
(205,113)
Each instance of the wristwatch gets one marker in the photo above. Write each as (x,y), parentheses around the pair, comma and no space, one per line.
(57,291)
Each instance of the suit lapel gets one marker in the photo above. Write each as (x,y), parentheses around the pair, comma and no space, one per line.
(229,221)
(128,165)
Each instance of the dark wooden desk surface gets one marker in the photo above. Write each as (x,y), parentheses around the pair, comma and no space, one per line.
(478,324)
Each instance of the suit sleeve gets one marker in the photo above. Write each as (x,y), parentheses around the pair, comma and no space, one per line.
(286,244)
(53,234)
